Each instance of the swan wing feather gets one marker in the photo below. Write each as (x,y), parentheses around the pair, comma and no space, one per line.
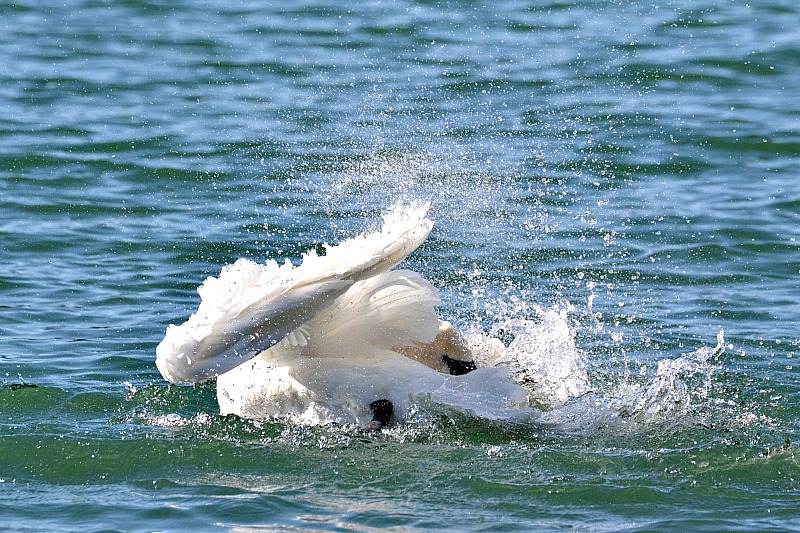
(251,307)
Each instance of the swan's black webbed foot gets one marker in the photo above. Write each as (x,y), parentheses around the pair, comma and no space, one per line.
(457,367)
(381,414)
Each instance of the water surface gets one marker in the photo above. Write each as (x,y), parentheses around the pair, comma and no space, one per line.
(623,176)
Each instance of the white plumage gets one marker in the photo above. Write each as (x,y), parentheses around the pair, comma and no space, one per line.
(320,341)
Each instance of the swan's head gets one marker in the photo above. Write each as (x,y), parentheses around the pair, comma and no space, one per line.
(448,353)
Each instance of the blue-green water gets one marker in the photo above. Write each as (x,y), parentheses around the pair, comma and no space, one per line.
(634,165)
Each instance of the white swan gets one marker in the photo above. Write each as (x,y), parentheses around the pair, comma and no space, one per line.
(341,337)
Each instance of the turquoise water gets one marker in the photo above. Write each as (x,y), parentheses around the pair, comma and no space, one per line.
(631,169)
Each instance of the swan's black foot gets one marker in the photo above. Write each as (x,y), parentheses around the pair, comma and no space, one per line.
(457,367)
(381,414)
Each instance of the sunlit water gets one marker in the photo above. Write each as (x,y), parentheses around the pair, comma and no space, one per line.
(615,189)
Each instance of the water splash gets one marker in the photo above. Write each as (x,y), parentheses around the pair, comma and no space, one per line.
(541,355)
(463,188)
(571,393)
(537,346)
(667,394)
(670,398)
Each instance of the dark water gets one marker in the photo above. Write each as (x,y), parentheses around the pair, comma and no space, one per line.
(632,166)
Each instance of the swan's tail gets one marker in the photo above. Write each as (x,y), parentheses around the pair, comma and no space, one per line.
(251,307)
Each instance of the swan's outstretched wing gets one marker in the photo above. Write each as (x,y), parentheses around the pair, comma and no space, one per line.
(251,307)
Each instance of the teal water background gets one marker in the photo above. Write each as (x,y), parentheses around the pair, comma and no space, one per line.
(634,164)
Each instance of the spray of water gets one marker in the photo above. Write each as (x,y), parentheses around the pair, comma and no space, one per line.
(566,387)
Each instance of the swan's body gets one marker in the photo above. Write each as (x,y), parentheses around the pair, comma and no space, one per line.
(380,340)
(322,341)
